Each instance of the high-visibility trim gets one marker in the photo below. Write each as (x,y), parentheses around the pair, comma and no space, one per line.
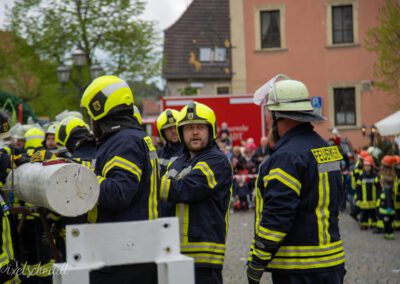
(202,247)
(322,210)
(110,89)
(263,255)
(365,203)
(120,162)
(92,215)
(284,178)
(86,164)
(227,214)
(7,251)
(307,263)
(30,137)
(270,235)
(384,211)
(182,212)
(153,203)
(259,206)
(301,251)
(380,224)
(206,170)
(100,179)
(164,188)
(207,258)
(329,167)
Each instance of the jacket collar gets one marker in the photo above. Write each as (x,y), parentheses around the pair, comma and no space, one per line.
(297,130)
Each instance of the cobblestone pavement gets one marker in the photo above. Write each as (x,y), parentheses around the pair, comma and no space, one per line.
(369,257)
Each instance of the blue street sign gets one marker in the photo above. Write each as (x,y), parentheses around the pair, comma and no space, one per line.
(316,102)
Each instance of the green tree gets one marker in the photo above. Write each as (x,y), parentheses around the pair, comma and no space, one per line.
(24,75)
(143,90)
(384,40)
(111,28)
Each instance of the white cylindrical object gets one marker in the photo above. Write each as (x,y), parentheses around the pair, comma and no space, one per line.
(68,189)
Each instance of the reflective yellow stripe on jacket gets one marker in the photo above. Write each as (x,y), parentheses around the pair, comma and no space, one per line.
(7,251)
(308,257)
(207,171)
(270,235)
(123,164)
(284,178)
(322,210)
(204,252)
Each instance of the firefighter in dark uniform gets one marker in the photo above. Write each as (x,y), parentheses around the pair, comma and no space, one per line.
(368,189)
(35,249)
(199,182)
(173,148)
(396,222)
(126,166)
(73,133)
(298,194)
(387,197)
(355,174)
(8,264)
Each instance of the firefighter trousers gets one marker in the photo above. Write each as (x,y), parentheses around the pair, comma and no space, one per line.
(330,277)
(208,276)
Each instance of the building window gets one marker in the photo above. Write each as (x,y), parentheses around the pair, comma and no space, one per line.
(270,29)
(205,54)
(342,24)
(345,106)
(222,90)
(219,54)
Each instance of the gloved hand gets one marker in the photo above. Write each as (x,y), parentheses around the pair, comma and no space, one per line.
(42,155)
(254,272)
(389,210)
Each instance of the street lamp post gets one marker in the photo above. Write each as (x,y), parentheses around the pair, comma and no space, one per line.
(79,62)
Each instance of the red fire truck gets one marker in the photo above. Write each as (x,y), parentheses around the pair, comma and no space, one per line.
(244,118)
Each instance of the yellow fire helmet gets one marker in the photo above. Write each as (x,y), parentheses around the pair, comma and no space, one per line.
(105,95)
(166,119)
(136,114)
(197,113)
(34,138)
(66,127)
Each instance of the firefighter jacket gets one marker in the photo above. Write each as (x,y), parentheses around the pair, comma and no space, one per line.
(8,265)
(356,174)
(127,170)
(386,201)
(201,189)
(298,196)
(397,194)
(368,190)
(168,154)
(85,153)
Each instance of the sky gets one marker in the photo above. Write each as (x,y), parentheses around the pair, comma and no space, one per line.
(164,12)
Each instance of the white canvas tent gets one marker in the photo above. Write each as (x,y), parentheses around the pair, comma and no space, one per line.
(389,125)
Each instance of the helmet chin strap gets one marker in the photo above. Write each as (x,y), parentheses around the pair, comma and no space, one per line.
(275,134)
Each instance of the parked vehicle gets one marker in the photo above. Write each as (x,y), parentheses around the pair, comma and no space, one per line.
(244,118)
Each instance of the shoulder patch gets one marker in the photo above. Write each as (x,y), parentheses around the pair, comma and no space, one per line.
(327,154)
